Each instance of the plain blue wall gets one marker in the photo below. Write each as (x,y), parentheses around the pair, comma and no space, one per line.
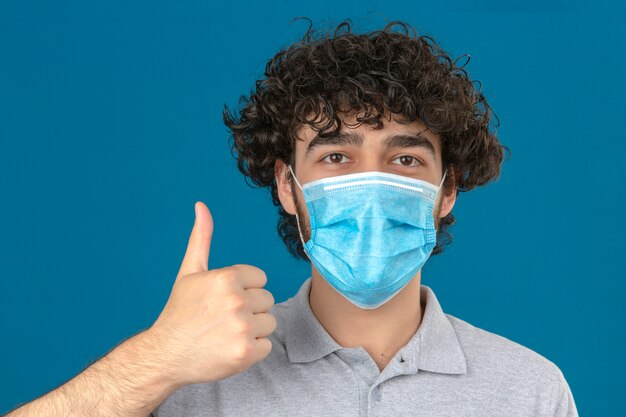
(111,129)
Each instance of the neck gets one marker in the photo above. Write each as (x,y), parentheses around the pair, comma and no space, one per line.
(382,332)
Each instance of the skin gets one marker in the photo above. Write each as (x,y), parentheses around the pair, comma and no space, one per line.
(216,322)
(385,330)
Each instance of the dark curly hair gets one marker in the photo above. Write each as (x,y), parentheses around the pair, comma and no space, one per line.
(383,70)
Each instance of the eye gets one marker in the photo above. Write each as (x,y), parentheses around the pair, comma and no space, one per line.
(335,158)
(408,161)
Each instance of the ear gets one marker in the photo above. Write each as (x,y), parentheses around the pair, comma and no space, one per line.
(449,197)
(283,187)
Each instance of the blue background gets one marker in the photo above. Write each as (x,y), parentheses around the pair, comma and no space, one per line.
(111,129)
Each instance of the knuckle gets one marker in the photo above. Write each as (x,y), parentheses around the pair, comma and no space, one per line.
(224,278)
(239,267)
(236,302)
(255,269)
(243,327)
(242,351)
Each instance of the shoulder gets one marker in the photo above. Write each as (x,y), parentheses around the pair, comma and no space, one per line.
(508,362)
(491,349)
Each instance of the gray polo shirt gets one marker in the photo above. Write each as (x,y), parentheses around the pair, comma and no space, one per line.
(448,368)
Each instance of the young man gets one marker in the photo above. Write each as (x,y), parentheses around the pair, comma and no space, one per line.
(365,142)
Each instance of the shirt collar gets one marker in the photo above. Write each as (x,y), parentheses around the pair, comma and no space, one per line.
(435,342)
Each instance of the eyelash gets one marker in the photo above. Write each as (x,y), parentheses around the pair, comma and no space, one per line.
(407,166)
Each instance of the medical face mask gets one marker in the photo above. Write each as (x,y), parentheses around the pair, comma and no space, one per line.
(371,232)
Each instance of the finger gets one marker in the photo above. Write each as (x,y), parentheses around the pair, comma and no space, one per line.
(250,276)
(262,348)
(260,300)
(197,255)
(264,324)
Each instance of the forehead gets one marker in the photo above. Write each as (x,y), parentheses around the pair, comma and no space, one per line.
(306,133)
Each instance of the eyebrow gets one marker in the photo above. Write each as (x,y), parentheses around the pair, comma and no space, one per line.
(352,138)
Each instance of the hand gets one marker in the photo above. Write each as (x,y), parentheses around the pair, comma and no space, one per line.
(216,322)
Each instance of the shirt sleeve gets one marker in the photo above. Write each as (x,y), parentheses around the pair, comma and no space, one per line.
(565,405)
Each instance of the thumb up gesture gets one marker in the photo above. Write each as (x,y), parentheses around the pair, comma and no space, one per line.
(216,322)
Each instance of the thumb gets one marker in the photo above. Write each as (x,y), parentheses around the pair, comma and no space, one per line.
(197,255)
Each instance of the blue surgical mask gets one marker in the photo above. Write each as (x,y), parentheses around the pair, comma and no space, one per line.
(371,232)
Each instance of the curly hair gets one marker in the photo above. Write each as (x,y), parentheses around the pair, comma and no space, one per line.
(382,70)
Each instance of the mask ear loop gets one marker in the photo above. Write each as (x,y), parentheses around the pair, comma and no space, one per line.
(294,176)
(443,178)
(297,219)
(439,188)
(299,231)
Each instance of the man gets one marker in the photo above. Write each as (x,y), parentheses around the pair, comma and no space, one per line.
(365,142)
